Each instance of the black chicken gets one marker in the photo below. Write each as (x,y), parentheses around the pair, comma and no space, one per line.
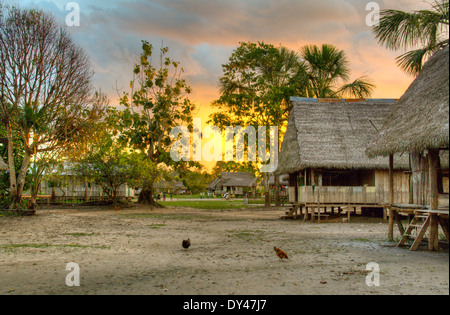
(186,243)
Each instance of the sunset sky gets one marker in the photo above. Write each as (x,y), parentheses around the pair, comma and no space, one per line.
(201,34)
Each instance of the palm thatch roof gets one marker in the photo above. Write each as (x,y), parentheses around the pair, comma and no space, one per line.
(420,120)
(238,179)
(215,184)
(334,134)
(163,184)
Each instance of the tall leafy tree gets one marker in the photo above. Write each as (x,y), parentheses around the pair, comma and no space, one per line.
(421,32)
(157,103)
(259,79)
(256,85)
(328,73)
(46,94)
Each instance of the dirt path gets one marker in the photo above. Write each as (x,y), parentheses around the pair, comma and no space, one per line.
(138,251)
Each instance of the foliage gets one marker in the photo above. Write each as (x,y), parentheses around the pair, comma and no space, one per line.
(196,181)
(46,88)
(232,166)
(424,31)
(158,103)
(111,166)
(328,73)
(256,85)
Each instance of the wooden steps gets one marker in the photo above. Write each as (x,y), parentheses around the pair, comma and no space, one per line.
(292,213)
(421,223)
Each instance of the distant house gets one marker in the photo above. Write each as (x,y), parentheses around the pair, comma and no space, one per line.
(324,153)
(72,186)
(237,183)
(176,187)
(78,188)
(215,187)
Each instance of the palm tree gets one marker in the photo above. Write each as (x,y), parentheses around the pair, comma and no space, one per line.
(424,31)
(329,72)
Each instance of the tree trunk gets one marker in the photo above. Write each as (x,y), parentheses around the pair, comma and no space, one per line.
(53,194)
(266,190)
(35,187)
(277,190)
(12,167)
(146,196)
(87,191)
(22,175)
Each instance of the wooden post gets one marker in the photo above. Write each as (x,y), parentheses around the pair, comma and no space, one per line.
(433,163)
(266,190)
(296,187)
(391,197)
(313,184)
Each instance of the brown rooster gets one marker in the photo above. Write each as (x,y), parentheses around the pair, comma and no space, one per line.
(116,207)
(280,253)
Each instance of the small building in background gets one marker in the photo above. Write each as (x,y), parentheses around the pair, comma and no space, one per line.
(234,183)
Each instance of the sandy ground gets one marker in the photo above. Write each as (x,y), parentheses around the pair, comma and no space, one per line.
(138,251)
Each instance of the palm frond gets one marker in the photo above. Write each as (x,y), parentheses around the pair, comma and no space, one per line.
(398,29)
(360,88)
(412,61)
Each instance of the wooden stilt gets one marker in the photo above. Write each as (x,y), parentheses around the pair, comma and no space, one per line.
(391,197)
(433,241)
(433,163)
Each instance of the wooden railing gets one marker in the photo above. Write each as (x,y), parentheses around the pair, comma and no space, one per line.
(344,194)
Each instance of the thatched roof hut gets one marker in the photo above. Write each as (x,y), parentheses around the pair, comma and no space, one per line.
(420,119)
(238,179)
(169,185)
(232,182)
(215,184)
(334,134)
(418,124)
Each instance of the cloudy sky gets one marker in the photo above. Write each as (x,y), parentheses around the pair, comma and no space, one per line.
(202,34)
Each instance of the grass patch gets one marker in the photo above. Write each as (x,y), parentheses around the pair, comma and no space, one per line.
(169,216)
(156,226)
(362,240)
(207,204)
(249,236)
(79,234)
(46,245)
